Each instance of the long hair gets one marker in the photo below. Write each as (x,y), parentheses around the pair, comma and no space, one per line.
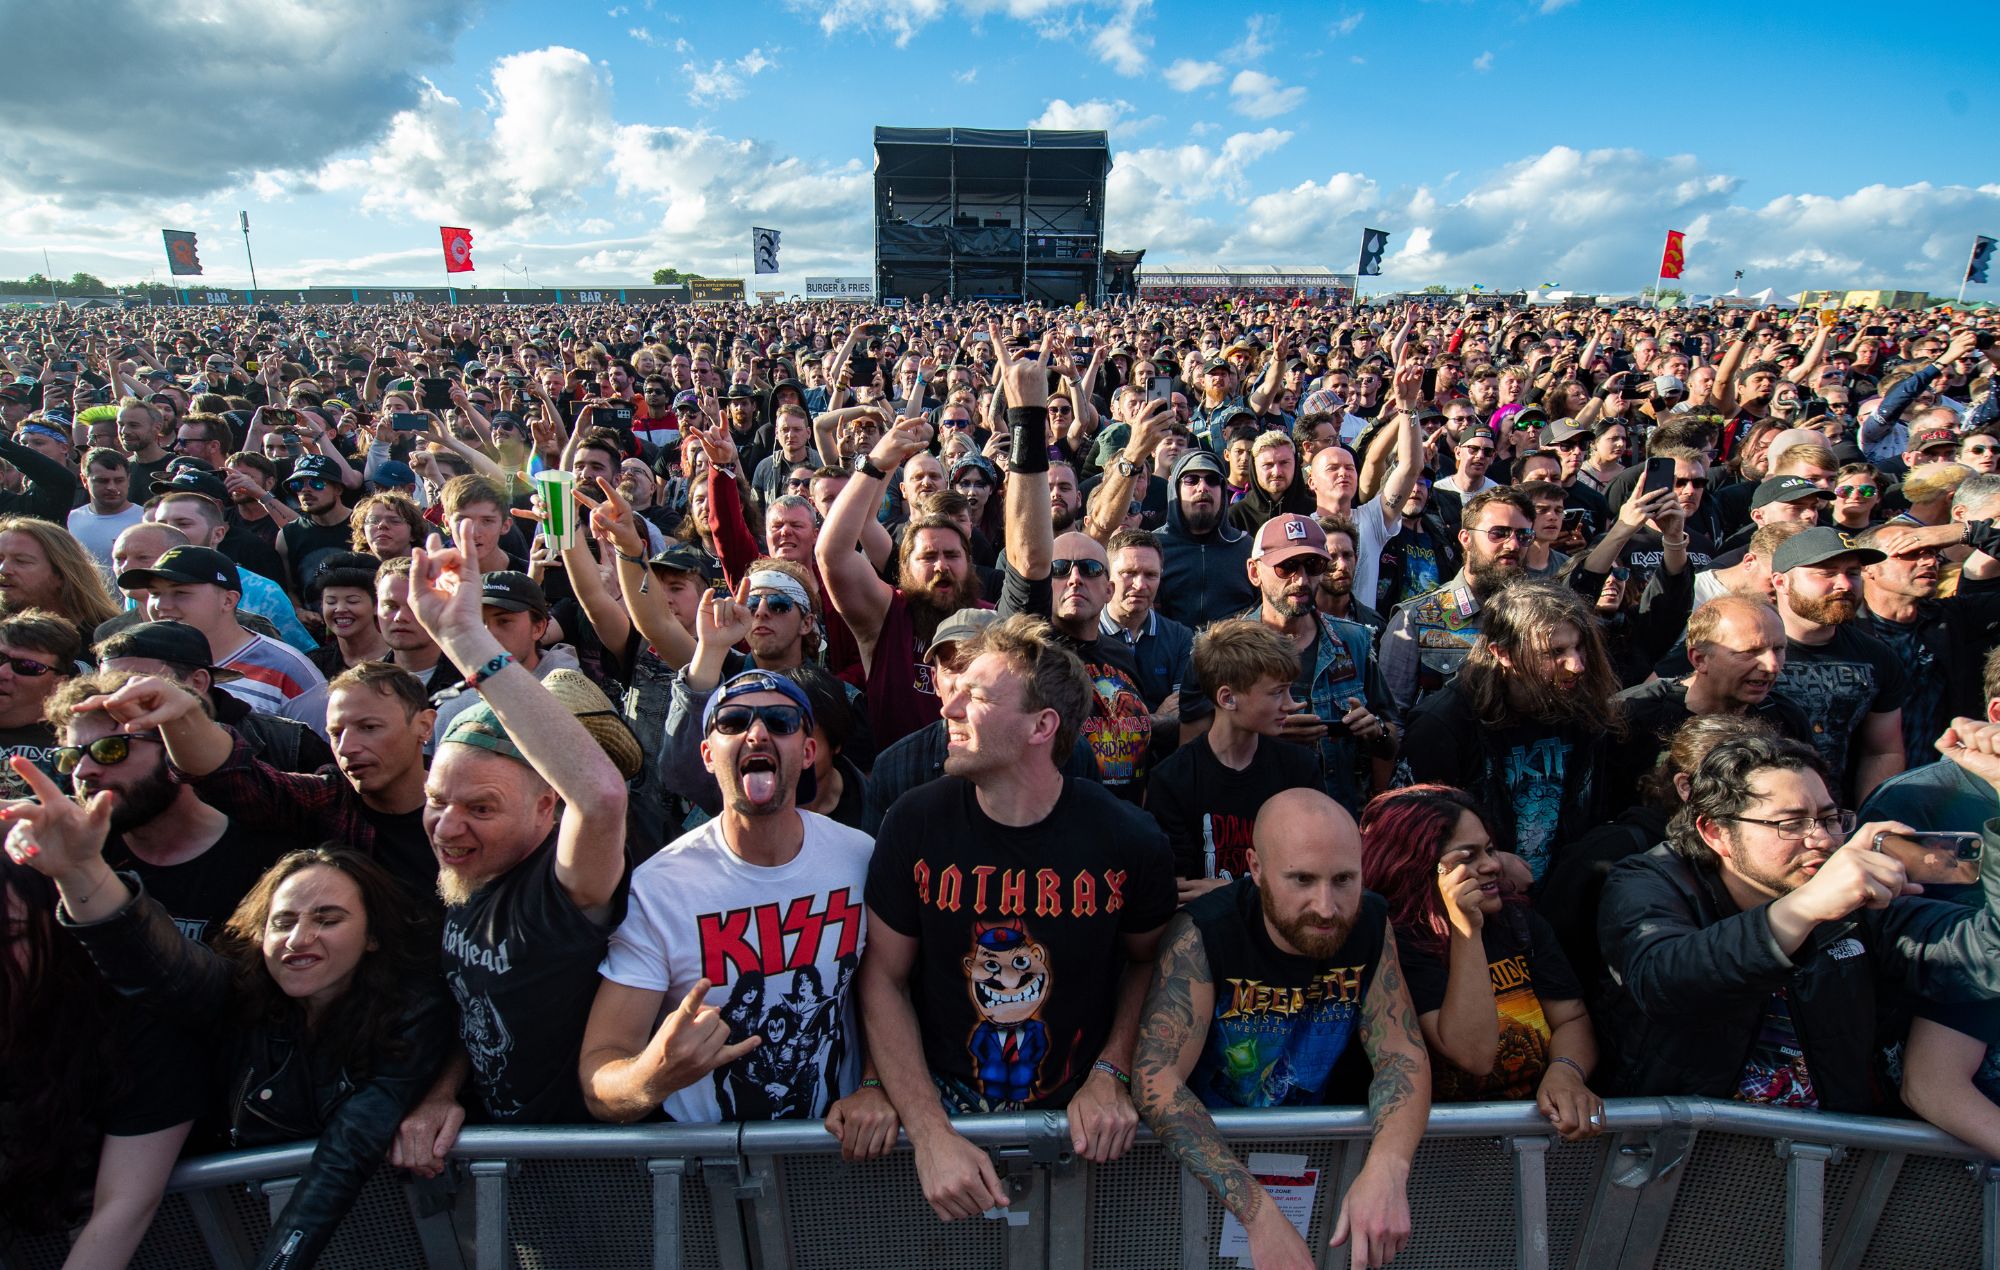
(59,1058)
(1403,832)
(1521,620)
(393,975)
(81,593)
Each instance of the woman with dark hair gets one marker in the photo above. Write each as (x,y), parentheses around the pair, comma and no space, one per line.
(73,1102)
(1500,1009)
(321,1001)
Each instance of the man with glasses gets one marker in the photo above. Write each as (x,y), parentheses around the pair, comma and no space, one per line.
(38,652)
(1857,493)
(205,437)
(1203,557)
(1980,449)
(1472,449)
(193,858)
(323,515)
(698,1022)
(1755,954)
(1118,729)
(1428,637)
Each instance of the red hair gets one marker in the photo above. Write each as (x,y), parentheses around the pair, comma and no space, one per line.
(1403,833)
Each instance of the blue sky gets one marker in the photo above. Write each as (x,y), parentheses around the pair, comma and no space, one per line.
(1503,142)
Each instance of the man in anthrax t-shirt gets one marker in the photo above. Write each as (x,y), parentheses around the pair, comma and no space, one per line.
(1012,916)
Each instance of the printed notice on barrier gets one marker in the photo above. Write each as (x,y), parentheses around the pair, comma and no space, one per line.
(1292,1187)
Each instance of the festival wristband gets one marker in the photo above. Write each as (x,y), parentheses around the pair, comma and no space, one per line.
(1111,1070)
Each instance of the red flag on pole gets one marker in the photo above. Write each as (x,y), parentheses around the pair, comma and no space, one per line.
(1673,260)
(457,249)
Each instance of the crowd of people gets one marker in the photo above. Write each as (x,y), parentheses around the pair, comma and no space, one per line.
(970,707)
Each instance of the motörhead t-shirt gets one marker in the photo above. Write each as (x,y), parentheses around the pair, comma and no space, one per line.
(1021,929)
(521,961)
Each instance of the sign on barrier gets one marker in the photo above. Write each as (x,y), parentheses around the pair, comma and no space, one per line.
(716,290)
(840,288)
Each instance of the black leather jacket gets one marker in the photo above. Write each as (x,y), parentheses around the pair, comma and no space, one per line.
(278,1088)
(1692,976)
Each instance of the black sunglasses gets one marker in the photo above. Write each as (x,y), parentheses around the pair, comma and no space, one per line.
(778,720)
(105,750)
(28,668)
(1088,568)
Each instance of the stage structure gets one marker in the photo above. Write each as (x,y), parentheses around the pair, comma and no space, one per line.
(977,213)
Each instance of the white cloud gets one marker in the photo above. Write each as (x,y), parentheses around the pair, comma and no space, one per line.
(645,36)
(1119,42)
(1117,38)
(723,81)
(1550,6)
(1186,75)
(1094,115)
(1262,96)
(206,97)
(1253,46)
(970,75)
(1347,23)
(1484,62)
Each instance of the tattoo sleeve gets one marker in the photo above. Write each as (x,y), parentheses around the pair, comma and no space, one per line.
(1393,1041)
(1170,1041)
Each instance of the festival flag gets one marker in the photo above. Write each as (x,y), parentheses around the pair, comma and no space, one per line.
(1373,243)
(181,255)
(457,249)
(1673,259)
(1982,259)
(764,249)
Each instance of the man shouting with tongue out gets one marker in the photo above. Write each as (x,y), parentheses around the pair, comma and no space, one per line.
(746,933)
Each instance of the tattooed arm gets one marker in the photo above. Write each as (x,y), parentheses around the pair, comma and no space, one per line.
(1376,1210)
(1171,1032)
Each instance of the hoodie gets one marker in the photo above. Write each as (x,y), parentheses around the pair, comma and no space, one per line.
(1202,576)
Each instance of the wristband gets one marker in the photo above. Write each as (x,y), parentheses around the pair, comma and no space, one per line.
(1028,428)
(869,1082)
(631,559)
(1112,1071)
(494,665)
(1681,541)
(1573,1065)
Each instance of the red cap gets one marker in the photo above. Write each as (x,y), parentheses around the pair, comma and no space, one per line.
(1283,537)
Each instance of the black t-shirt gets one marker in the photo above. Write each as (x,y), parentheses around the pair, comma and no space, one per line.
(306,541)
(1526,966)
(35,742)
(1207,810)
(1118,732)
(1021,931)
(404,849)
(1923,649)
(1654,711)
(521,960)
(1282,1023)
(201,893)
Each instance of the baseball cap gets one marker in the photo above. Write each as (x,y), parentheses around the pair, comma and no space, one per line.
(395,475)
(1668,385)
(478,726)
(188,479)
(1785,489)
(687,399)
(1215,363)
(681,557)
(193,565)
(1932,437)
(1283,537)
(18,391)
(513,592)
(1563,430)
(960,627)
(1322,401)
(316,467)
(174,642)
(1818,545)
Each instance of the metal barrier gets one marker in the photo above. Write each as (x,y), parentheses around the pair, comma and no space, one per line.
(1674,1184)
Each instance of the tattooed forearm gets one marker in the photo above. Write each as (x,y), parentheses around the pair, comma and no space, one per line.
(1392,1086)
(1170,1040)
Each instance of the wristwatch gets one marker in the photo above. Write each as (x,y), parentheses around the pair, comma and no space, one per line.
(862,467)
(1126,467)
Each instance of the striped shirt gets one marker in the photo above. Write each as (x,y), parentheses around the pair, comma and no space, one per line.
(277,679)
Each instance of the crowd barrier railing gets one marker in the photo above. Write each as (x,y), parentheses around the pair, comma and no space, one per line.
(1673,1184)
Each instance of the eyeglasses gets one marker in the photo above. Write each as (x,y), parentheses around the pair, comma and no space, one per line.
(798,482)
(955,423)
(1800,828)
(1477,451)
(1856,491)
(104,751)
(1088,568)
(777,720)
(1982,449)
(1497,534)
(1690,482)
(181,442)
(27,668)
(302,482)
(1201,478)
(775,604)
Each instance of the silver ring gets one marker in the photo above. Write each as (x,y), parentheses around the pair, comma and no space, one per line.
(1596,1118)
(1878,840)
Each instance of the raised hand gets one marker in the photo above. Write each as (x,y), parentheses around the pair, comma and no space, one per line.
(1026,380)
(444,590)
(692,1041)
(724,619)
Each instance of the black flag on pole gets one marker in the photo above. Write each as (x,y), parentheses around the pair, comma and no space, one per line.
(1982,259)
(1373,243)
(181,257)
(764,249)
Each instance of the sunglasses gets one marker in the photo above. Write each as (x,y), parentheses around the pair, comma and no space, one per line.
(1201,478)
(777,604)
(1855,491)
(303,481)
(1088,568)
(1691,482)
(104,751)
(28,668)
(1311,566)
(778,720)
(1497,534)
(955,423)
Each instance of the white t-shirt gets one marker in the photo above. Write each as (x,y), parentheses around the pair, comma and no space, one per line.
(97,532)
(1368,552)
(779,948)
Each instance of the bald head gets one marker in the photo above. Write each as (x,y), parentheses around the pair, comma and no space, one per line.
(1306,860)
(1075,546)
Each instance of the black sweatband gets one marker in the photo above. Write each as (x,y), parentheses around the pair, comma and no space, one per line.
(1029,428)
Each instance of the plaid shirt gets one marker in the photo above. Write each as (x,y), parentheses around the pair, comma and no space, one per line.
(316,806)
